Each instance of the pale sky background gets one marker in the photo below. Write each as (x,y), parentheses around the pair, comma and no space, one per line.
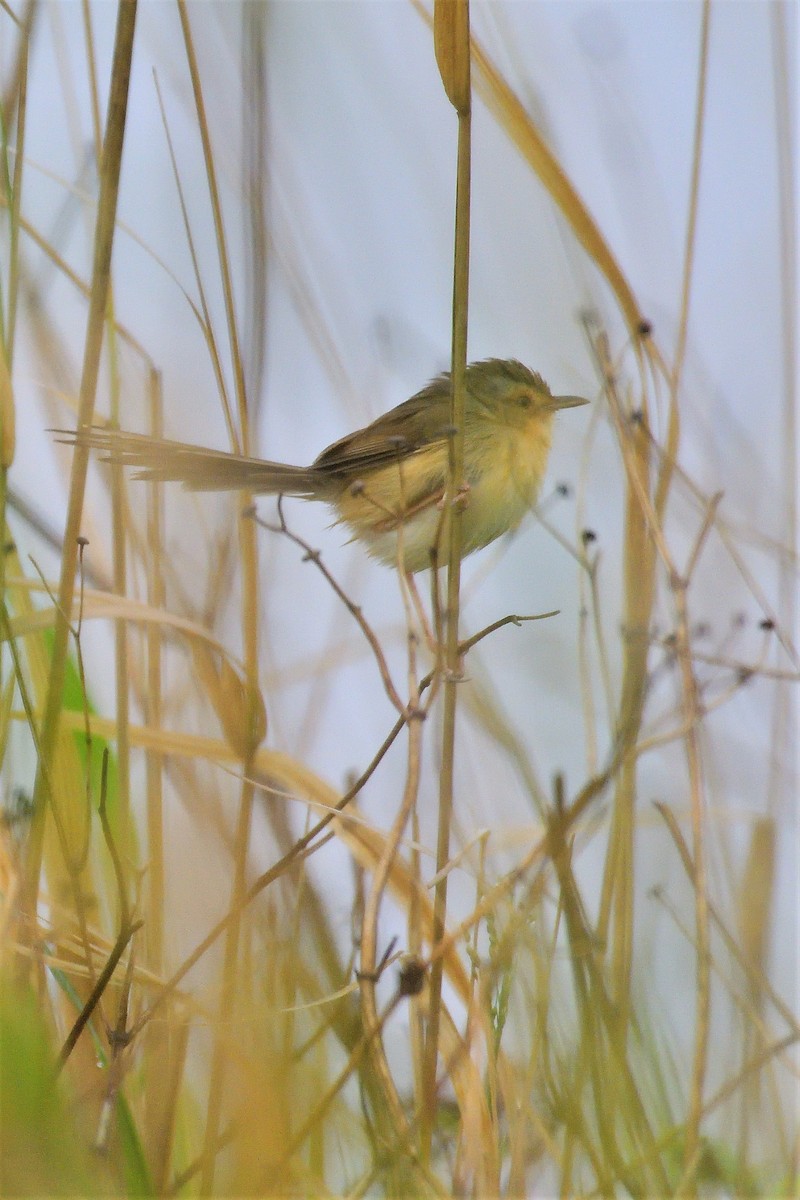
(360,166)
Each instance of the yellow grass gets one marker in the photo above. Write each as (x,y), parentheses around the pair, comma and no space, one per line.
(224,968)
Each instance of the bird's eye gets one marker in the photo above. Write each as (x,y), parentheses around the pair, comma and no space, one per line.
(524,401)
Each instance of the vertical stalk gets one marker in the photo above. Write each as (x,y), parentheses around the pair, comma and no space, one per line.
(618,889)
(101,271)
(154,930)
(252,734)
(451,37)
(167,1039)
(691,700)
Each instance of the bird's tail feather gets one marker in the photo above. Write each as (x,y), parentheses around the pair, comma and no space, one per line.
(198,469)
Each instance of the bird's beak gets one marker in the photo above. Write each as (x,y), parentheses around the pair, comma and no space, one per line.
(556,402)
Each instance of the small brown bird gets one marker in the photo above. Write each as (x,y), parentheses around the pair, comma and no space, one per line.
(387,481)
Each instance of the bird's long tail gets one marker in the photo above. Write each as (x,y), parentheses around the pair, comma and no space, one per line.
(198,469)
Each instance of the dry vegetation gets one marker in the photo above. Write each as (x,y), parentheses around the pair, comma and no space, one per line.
(184,1010)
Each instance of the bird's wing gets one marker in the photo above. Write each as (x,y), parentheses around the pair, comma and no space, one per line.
(197,468)
(413,425)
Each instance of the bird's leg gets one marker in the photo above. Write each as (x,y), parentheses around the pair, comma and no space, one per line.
(461,497)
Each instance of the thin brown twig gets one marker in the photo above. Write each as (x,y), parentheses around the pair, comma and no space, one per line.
(369,933)
(203,313)
(122,892)
(305,844)
(358,1052)
(315,557)
(380,876)
(511,619)
(119,1039)
(756,977)
(103,980)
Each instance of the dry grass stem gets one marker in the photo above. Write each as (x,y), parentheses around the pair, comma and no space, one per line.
(348,881)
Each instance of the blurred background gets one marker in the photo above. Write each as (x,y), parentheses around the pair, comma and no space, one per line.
(334,151)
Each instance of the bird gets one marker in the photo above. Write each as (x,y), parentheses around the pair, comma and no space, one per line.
(387,481)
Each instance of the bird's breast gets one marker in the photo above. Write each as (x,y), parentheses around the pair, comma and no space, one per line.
(398,511)
(504,479)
